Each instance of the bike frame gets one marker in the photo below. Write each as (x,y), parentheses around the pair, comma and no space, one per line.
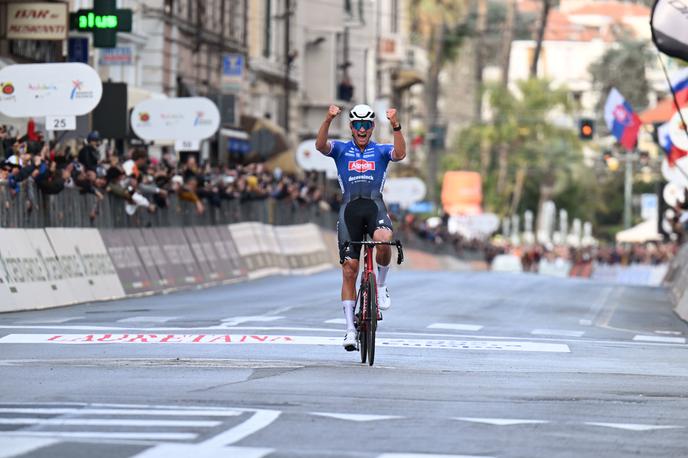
(367,324)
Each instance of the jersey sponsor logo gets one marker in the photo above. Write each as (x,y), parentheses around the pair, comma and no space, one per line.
(361,178)
(361,166)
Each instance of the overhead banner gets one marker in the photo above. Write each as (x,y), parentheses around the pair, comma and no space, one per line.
(33,90)
(183,118)
(669,23)
(37,21)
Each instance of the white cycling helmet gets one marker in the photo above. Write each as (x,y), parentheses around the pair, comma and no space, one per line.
(362,113)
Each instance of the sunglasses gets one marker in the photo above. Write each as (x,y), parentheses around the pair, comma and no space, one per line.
(367,125)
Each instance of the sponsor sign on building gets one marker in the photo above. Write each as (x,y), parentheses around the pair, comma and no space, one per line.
(37,21)
(184,118)
(121,55)
(49,89)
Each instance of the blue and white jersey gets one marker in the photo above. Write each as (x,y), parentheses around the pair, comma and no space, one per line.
(361,173)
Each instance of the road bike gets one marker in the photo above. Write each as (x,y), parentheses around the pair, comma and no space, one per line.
(367,313)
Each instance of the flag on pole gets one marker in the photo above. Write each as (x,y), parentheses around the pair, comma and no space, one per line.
(669,23)
(621,120)
(679,80)
(673,153)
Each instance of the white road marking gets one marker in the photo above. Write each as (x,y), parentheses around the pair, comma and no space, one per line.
(107,422)
(200,451)
(88,411)
(239,339)
(557,332)
(502,421)
(336,321)
(52,320)
(641,338)
(15,446)
(428,455)
(669,333)
(456,326)
(258,421)
(148,319)
(233,321)
(381,332)
(355,417)
(152,436)
(633,426)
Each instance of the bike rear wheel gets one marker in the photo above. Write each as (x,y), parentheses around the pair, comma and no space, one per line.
(372,318)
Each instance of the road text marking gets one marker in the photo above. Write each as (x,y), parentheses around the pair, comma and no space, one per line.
(241,339)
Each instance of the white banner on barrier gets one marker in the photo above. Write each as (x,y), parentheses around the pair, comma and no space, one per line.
(34,277)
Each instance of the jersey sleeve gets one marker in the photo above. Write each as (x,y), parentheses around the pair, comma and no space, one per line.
(387,150)
(337,149)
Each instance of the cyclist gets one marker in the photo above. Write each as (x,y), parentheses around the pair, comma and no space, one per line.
(361,169)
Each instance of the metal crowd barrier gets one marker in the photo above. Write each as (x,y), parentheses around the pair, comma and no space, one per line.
(30,208)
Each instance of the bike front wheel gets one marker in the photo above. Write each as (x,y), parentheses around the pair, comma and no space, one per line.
(372,318)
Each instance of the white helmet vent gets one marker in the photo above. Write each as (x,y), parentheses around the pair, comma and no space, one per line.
(362,113)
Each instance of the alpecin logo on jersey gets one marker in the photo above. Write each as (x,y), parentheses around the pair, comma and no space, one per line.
(361,165)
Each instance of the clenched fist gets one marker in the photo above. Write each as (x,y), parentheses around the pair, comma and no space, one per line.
(333,111)
(392,116)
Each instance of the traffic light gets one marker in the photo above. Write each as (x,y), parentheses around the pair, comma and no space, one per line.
(586,129)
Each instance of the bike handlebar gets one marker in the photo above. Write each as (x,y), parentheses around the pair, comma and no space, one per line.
(396,243)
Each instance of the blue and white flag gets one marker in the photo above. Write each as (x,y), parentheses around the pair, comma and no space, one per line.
(621,120)
(679,80)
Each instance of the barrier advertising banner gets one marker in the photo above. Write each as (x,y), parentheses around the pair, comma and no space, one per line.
(67,89)
(176,262)
(183,118)
(86,264)
(133,274)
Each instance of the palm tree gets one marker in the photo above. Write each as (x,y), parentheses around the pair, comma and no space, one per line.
(528,146)
(433,21)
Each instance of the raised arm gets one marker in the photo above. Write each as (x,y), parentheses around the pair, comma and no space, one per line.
(321,142)
(399,151)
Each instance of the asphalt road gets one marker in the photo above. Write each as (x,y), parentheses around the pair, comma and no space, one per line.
(467,364)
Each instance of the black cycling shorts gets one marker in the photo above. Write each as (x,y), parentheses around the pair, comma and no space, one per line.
(358,218)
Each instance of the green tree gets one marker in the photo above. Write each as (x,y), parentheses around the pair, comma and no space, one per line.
(437,25)
(526,158)
(623,67)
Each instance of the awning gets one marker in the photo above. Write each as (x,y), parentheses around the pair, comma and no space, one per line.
(643,232)
(407,77)
(664,109)
(266,137)
(135,95)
